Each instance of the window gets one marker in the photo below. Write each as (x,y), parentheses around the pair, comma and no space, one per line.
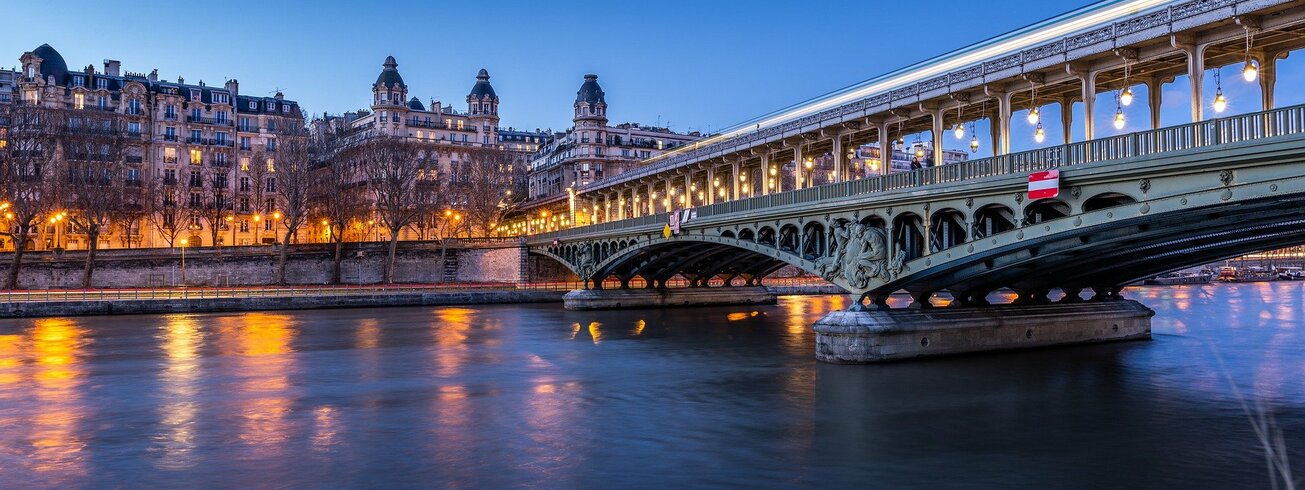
(196,136)
(221,98)
(220,139)
(102,83)
(253,106)
(244,164)
(78,81)
(31,71)
(271,145)
(196,201)
(31,97)
(79,101)
(102,102)
(271,165)
(196,157)
(196,115)
(244,208)
(244,223)
(460,125)
(133,107)
(244,185)
(196,222)
(220,181)
(169,111)
(221,117)
(195,94)
(220,160)
(133,128)
(244,143)
(267,225)
(133,175)
(170,134)
(271,125)
(169,175)
(271,185)
(196,179)
(169,155)
(244,124)
(285,109)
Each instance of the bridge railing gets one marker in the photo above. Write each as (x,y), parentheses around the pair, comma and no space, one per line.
(1225,130)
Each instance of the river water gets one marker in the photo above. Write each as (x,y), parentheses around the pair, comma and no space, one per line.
(534,396)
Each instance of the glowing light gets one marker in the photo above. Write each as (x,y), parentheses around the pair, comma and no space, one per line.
(809,163)
(1034,116)
(1040,134)
(974,144)
(1126,97)
(1251,71)
(1220,102)
(959,131)
(1119,119)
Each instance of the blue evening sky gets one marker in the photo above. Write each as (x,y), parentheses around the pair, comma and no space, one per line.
(690,64)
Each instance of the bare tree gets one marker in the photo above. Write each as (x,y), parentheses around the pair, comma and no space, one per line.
(129,216)
(294,180)
(337,193)
(28,185)
(392,167)
(261,168)
(484,190)
(93,146)
(166,212)
(216,198)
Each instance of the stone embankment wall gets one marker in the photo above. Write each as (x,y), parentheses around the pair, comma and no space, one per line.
(252,266)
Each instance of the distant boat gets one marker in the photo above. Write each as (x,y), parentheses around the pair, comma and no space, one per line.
(1173,278)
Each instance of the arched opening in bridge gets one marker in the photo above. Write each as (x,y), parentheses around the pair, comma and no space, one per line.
(1045,210)
(875,221)
(766,236)
(908,235)
(813,241)
(947,229)
(788,239)
(993,219)
(1107,200)
(727,234)
(747,235)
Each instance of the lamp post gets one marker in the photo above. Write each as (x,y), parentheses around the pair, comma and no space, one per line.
(184,241)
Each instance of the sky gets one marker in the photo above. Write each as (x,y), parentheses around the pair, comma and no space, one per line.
(690,65)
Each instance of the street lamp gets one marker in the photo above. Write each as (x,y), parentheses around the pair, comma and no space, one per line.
(184,241)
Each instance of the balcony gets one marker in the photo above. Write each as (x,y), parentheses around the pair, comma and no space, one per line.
(169,181)
(209,120)
(169,159)
(246,128)
(169,137)
(169,117)
(133,159)
(134,183)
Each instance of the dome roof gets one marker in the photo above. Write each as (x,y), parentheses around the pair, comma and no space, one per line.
(52,63)
(390,75)
(590,92)
(416,105)
(483,88)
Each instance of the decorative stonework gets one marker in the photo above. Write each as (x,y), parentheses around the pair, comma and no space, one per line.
(859,254)
(1135,24)
(1044,51)
(999,64)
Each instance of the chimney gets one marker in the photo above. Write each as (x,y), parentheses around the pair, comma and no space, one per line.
(181,80)
(154,75)
(112,68)
(280,96)
(233,86)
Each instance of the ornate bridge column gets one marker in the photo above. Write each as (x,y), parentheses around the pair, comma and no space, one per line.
(1067,118)
(1195,70)
(710,185)
(1001,130)
(885,148)
(1088,86)
(840,160)
(734,180)
(1154,97)
(688,189)
(797,166)
(767,184)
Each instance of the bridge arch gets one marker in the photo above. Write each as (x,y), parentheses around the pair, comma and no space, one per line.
(698,258)
(746,234)
(1107,200)
(1045,210)
(813,240)
(908,235)
(766,236)
(992,219)
(946,229)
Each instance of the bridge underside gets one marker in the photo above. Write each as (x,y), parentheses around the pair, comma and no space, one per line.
(1107,257)
(697,262)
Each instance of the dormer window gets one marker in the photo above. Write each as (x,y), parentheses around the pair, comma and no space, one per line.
(221,98)
(78,81)
(31,71)
(285,109)
(102,84)
(253,106)
(194,94)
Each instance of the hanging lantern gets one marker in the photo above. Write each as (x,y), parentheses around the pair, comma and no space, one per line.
(974,144)
(1220,102)
(1040,134)
(1126,97)
(1250,71)
(919,151)
(1119,119)
(959,131)
(1034,116)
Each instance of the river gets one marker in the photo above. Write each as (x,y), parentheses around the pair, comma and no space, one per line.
(533,396)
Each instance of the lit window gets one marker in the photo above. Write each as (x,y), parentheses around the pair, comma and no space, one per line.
(169,155)
(79,101)
(196,157)
(244,164)
(271,165)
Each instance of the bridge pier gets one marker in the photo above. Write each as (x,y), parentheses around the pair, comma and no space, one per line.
(609,299)
(877,335)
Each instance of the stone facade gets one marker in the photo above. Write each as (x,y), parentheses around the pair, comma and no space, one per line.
(309,264)
(187,135)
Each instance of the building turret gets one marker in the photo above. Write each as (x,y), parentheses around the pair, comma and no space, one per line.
(482,109)
(389,88)
(591,112)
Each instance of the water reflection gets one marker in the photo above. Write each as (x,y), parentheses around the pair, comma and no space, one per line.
(178,401)
(498,397)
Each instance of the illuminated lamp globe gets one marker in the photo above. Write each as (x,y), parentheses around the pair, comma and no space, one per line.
(1126,97)
(1034,116)
(1250,71)
(1119,119)
(1040,134)
(1220,102)
(959,131)
(974,144)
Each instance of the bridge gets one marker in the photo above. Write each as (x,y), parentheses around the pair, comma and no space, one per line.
(1130,206)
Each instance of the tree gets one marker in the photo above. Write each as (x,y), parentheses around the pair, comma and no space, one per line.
(337,193)
(93,176)
(392,167)
(168,215)
(261,167)
(27,186)
(216,199)
(133,210)
(294,174)
(484,191)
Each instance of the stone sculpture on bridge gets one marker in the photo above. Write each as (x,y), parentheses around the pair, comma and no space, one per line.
(859,254)
(585,263)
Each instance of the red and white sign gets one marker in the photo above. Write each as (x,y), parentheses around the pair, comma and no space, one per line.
(1044,185)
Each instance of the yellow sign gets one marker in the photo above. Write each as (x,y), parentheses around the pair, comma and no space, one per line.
(666,231)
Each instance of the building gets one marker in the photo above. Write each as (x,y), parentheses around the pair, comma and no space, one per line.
(206,145)
(592,150)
